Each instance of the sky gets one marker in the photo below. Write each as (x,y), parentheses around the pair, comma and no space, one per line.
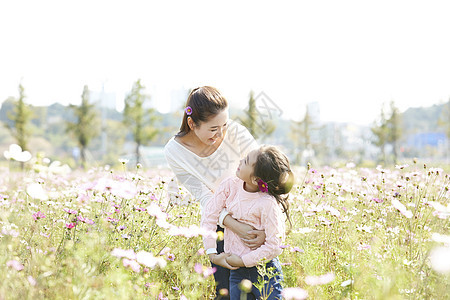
(349,56)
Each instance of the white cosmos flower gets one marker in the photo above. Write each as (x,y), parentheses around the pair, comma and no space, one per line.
(15,152)
(440,259)
(36,191)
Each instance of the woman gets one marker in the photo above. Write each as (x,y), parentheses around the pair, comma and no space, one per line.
(206,150)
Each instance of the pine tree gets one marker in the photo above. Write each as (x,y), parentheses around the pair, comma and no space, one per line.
(86,127)
(21,117)
(256,124)
(138,119)
(301,134)
(387,130)
(394,127)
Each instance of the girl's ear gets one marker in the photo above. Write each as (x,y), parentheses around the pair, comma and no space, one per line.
(255,180)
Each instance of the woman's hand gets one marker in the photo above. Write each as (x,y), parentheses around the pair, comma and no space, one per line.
(221,260)
(251,237)
(235,261)
(255,239)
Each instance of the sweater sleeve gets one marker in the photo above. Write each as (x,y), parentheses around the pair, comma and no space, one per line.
(197,188)
(212,211)
(273,224)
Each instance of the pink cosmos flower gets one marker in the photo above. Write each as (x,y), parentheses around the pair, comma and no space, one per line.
(263,186)
(31,280)
(377,200)
(164,251)
(171,256)
(161,296)
(294,294)
(112,220)
(362,247)
(38,215)
(198,268)
(10,232)
(15,265)
(71,225)
(205,271)
(117,252)
(70,211)
(209,271)
(297,249)
(132,264)
(147,259)
(85,220)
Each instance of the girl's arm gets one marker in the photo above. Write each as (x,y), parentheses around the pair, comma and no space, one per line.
(211,212)
(251,237)
(235,261)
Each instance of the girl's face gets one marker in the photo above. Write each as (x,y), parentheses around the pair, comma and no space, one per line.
(246,167)
(213,130)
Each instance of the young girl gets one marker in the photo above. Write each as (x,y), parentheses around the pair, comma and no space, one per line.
(206,150)
(254,196)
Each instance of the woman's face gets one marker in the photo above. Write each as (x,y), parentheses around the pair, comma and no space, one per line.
(214,129)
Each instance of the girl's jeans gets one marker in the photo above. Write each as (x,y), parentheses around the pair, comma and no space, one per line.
(222,275)
(272,285)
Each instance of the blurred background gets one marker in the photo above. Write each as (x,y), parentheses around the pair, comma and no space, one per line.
(331,82)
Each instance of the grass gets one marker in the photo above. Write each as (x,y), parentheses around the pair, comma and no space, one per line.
(347,223)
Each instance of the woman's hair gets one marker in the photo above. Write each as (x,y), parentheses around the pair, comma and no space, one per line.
(204,102)
(272,166)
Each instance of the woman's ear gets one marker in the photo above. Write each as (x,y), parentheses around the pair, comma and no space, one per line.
(191,123)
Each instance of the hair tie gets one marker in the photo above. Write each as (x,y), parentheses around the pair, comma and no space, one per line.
(263,187)
(188,110)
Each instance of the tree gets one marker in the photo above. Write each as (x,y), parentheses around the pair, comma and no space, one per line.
(138,119)
(301,134)
(20,120)
(380,132)
(255,122)
(387,130)
(86,126)
(444,119)
(394,129)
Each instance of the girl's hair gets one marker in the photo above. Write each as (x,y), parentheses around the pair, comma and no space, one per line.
(272,166)
(205,102)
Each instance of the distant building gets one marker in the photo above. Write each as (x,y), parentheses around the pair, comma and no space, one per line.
(314,111)
(423,139)
(103,99)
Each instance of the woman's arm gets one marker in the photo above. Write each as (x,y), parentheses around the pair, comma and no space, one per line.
(251,237)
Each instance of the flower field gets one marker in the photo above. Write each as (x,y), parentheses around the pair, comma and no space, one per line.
(129,234)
